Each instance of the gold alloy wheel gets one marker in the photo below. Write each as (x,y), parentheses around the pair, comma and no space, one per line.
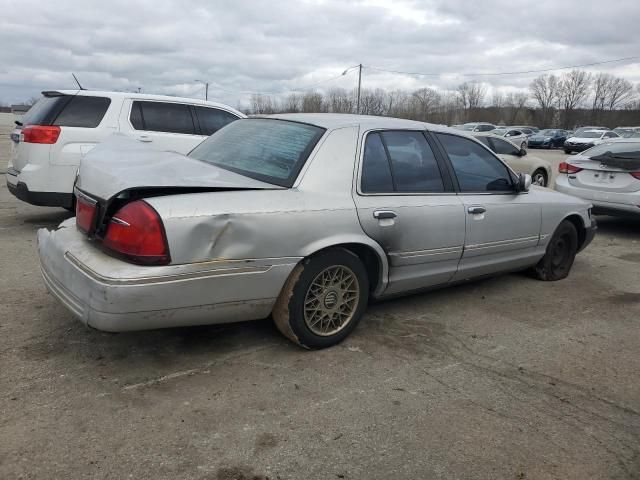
(331,300)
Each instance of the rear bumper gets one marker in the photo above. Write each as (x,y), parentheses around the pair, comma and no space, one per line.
(109,294)
(603,202)
(43,199)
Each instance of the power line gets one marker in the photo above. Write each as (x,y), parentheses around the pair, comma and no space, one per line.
(301,89)
(494,74)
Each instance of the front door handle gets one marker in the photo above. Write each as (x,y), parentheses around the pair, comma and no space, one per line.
(144,138)
(476,209)
(384,214)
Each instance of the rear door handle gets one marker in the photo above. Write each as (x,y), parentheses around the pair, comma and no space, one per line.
(144,138)
(476,209)
(384,214)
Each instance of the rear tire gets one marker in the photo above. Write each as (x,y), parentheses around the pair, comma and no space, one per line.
(568,152)
(523,145)
(560,254)
(323,299)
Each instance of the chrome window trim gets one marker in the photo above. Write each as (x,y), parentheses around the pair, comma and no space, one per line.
(360,154)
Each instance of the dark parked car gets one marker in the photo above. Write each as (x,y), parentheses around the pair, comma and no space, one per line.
(550,138)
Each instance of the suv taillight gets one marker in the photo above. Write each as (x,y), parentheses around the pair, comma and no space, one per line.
(47,134)
(565,167)
(136,232)
(86,209)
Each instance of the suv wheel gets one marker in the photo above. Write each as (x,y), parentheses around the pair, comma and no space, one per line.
(323,299)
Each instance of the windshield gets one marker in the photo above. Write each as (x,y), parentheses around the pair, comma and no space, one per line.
(548,133)
(590,135)
(623,149)
(268,150)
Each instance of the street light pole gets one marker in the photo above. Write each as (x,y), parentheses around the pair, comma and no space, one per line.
(359,84)
(206,89)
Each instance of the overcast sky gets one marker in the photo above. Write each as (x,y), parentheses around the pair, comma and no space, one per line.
(163,46)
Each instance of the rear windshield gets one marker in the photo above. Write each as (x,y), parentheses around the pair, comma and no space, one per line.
(67,111)
(623,149)
(591,134)
(269,150)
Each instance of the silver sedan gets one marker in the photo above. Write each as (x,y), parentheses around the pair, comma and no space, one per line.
(304,217)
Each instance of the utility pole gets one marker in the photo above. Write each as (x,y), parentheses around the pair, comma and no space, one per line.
(359,83)
(206,91)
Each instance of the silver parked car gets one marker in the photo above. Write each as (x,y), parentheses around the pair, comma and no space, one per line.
(514,135)
(607,175)
(305,217)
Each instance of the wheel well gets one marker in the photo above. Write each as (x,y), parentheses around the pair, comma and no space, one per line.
(367,256)
(582,232)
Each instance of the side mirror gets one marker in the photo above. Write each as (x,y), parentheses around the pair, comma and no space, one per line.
(524,182)
(522,152)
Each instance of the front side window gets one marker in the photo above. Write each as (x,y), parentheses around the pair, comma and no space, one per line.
(503,148)
(162,117)
(399,161)
(476,169)
(273,151)
(213,119)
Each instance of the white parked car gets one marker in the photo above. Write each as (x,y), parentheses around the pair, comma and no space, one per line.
(514,135)
(476,127)
(64,125)
(606,175)
(580,142)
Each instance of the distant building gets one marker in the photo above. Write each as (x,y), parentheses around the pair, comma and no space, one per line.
(20,109)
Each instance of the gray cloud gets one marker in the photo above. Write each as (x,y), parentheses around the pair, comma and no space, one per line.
(276,46)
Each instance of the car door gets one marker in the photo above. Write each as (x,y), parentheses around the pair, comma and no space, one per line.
(167,126)
(502,226)
(405,201)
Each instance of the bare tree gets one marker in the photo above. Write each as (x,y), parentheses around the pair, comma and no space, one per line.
(313,102)
(574,87)
(619,92)
(545,90)
(425,101)
(372,102)
(339,101)
(262,104)
(292,104)
(471,96)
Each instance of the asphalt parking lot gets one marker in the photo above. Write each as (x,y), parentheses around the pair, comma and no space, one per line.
(504,378)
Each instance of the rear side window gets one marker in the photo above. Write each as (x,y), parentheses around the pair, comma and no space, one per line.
(212,119)
(162,117)
(376,172)
(477,170)
(44,110)
(83,111)
(399,161)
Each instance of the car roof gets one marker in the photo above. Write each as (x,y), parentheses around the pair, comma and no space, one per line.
(147,96)
(338,120)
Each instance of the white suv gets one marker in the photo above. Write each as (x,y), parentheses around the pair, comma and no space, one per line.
(65,124)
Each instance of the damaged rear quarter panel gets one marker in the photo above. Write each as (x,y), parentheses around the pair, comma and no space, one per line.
(258,224)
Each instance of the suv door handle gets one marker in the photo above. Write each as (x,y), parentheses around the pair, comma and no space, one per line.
(144,138)
(476,209)
(384,214)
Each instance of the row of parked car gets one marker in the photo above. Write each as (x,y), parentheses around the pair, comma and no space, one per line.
(301,217)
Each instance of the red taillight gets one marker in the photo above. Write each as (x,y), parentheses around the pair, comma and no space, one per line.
(47,134)
(565,167)
(635,175)
(137,233)
(85,213)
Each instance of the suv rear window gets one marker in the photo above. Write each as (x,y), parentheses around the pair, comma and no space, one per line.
(83,111)
(67,111)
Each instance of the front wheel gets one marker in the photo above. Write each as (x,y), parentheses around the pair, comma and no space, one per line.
(560,254)
(539,178)
(523,145)
(568,152)
(323,299)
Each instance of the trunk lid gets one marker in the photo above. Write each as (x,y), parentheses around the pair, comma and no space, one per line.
(596,175)
(122,164)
